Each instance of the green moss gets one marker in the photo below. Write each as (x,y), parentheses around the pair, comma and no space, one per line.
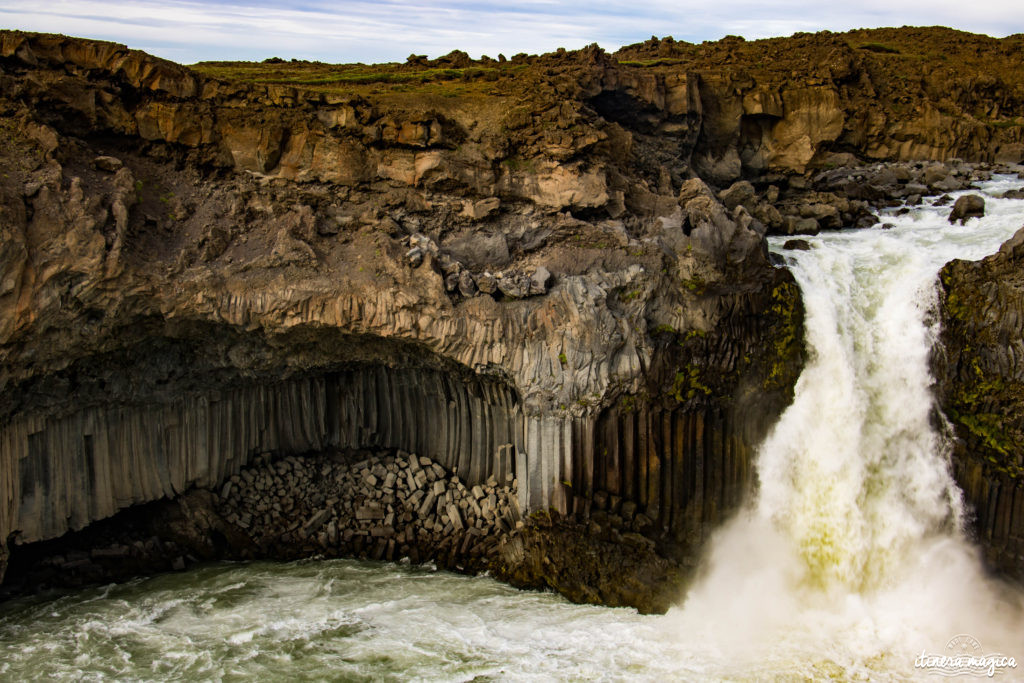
(956,307)
(997,443)
(315,74)
(989,428)
(688,384)
(563,359)
(787,340)
(695,284)
(517,164)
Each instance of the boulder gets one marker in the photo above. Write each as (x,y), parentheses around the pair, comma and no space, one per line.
(539,280)
(108,164)
(948,184)
(740,193)
(966,207)
(467,285)
(480,250)
(826,215)
(487,283)
(934,173)
(800,226)
(769,215)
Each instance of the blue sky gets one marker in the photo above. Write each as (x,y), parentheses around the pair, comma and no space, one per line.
(389,30)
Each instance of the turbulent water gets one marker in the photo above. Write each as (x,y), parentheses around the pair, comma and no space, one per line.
(848,563)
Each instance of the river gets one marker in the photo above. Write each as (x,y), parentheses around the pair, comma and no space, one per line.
(849,563)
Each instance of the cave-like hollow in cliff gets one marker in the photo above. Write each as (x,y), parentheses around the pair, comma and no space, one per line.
(155,418)
(157,409)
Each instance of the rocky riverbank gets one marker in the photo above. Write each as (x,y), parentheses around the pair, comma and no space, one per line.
(384,507)
(376,506)
(550,270)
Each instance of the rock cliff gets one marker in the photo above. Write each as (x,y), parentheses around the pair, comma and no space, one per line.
(981,390)
(543,270)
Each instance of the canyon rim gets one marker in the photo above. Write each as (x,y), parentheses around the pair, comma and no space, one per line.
(515,315)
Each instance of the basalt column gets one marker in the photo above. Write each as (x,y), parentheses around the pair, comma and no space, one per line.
(62,472)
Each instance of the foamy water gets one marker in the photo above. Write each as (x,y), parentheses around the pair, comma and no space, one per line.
(852,557)
(849,562)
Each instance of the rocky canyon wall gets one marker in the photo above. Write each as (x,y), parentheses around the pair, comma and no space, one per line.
(65,472)
(981,390)
(515,268)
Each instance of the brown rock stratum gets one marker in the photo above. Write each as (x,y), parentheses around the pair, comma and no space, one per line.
(518,269)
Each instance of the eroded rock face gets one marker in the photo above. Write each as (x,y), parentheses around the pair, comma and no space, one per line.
(196,272)
(981,391)
(540,284)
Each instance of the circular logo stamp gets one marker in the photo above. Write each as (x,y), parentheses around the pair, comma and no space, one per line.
(963,644)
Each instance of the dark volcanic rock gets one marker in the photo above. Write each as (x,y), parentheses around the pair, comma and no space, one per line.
(273,269)
(587,566)
(981,390)
(966,207)
(368,505)
(203,265)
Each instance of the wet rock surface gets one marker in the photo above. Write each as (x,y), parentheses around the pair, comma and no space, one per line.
(967,207)
(565,273)
(981,390)
(358,504)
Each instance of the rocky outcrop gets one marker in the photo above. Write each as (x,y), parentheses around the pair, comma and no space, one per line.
(968,206)
(550,271)
(981,391)
(198,272)
(205,437)
(812,101)
(336,503)
(366,504)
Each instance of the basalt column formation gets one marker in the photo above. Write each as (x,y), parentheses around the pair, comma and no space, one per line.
(549,272)
(981,391)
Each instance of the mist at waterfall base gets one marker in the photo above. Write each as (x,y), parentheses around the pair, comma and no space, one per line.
(849,562)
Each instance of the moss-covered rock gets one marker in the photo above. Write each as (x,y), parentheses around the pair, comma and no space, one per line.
(981,391)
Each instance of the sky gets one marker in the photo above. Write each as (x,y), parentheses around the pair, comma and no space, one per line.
(389,30)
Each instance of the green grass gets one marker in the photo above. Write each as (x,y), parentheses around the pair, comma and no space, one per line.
(426,76)
(355,77)
(660,61)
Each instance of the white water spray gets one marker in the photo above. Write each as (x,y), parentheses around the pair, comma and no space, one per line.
(848,564)
(853,554)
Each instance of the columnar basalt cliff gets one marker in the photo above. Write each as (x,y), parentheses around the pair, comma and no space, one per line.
(981,390)
(518,269)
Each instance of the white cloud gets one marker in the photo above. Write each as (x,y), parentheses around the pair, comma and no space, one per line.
(364,30)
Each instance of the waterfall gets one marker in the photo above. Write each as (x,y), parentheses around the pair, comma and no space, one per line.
(855,540)
(850,561)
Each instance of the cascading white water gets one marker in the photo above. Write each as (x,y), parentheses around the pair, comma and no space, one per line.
(849,562)
(853,552)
